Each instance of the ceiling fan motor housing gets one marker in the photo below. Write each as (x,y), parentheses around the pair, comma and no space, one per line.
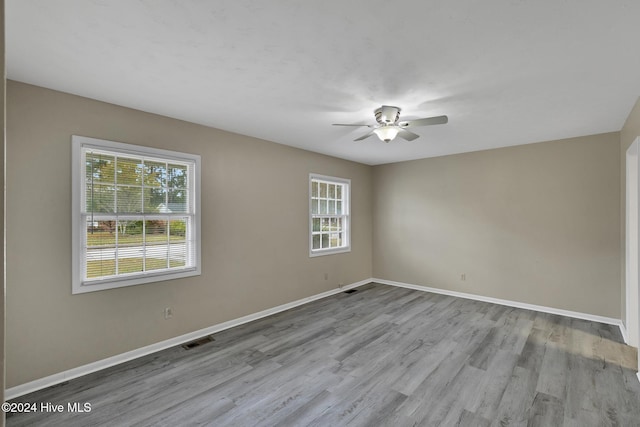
(387,114)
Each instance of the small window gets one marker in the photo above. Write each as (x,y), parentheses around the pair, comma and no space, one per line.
(329,215)
(136,216)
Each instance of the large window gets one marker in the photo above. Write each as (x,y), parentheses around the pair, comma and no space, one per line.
(136,216)
(329,215)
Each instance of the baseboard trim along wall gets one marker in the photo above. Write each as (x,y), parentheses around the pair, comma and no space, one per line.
(20,390)
(39,384)
(623,331)
(516,304)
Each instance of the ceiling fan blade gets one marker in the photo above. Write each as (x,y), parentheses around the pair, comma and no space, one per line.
(438,120)
(365,136)
(354,124)
(409,136)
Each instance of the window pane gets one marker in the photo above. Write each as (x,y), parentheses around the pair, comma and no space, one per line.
(155,200)
(334,240)
(129,171)
(177,201)
(332,191)
(325,224)
(100,198)
(333,224)
(323,189)
(129,199)
(314,189)
(155,174)
(130,260)
(314,206)
(130,247)
(156,256)
(316,241)
(155,231)
(99,168)
(178,176)
(339,192)
(178,246)
(88,168)
(156,239)
(100,262)
(339,224)
(316,224)
(177,229)
(177,254)
(130,232)
(323,207)
(325,240)
(339,208)
(332,207)
(100,233)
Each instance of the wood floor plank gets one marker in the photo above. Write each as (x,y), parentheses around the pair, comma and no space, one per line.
(552,379)
(493,385)
(382,356)
(450,405)
(546,411)
(517,400)
(469,419)
(427,394)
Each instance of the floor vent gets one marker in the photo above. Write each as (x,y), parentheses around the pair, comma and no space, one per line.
(197,343)
(350,291)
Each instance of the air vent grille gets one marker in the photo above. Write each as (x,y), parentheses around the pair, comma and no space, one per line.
(198,342)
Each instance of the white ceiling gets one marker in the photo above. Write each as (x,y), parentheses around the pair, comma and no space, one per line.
(506,72)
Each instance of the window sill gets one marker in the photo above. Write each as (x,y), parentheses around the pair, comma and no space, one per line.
(120,282)
(332,251)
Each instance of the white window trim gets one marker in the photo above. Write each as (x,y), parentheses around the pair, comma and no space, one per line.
(77,171)
(347,215)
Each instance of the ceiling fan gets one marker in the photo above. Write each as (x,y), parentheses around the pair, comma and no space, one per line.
(389,126)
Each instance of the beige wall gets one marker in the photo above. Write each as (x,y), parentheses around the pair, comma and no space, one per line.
(537,223)
(254,234)
(630,131)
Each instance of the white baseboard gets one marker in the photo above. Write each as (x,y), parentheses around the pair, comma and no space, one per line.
(516,304)
(39,384)
(623,331)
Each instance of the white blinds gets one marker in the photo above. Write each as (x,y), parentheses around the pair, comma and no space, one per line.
(138,214)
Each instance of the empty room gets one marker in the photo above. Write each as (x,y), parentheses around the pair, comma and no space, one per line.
(280,213)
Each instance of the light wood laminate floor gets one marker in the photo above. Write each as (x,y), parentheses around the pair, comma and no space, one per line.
(382,356)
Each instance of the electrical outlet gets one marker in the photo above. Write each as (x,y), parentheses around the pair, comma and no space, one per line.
(168,313)
(463,276)
(326,276)
(340,285)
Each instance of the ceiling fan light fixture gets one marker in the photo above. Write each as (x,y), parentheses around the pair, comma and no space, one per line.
(389,125)
(387,133)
